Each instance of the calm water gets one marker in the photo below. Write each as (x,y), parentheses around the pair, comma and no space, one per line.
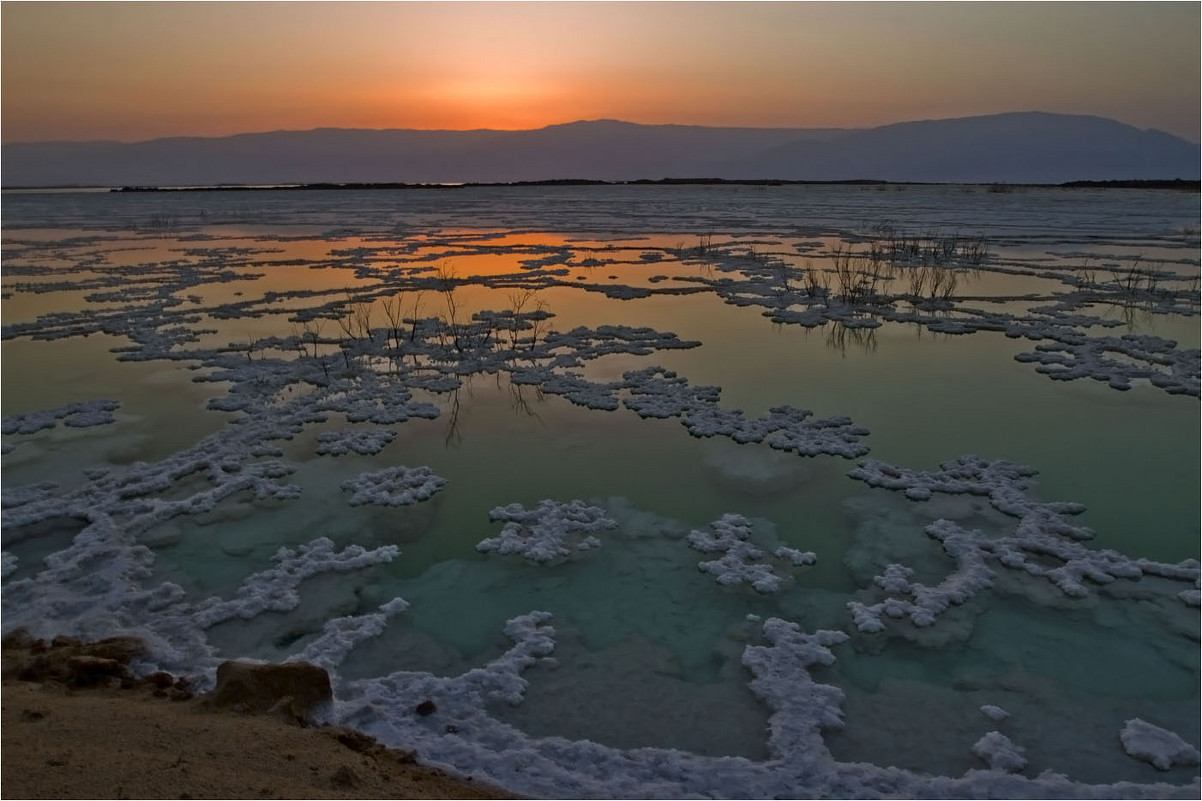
(311,298)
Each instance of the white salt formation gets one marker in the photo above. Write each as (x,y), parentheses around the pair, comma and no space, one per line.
(1161,747)
(1000,753)
(1153,358)
(393,486)
(742,562)
(83,414)
(550,532)
(339,362)
(994,713)
(364,443)
(341,635)
(1042,534)
(659,393)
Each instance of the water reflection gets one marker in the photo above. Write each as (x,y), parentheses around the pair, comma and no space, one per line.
(450,304)
(840,336)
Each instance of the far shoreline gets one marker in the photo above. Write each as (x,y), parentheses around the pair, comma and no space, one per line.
(999,187)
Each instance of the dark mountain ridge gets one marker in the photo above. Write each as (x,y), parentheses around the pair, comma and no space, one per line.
(1024,147)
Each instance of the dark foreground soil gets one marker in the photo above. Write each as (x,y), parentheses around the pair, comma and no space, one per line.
(61,740)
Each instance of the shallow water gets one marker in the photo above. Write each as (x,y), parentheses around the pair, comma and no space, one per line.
(302,297)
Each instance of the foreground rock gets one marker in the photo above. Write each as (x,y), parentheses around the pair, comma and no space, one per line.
(69,661)
(293,690)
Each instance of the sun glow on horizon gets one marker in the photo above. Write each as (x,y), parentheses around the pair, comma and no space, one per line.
(135,71)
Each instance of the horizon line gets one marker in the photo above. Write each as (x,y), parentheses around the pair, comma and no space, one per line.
(1178,184)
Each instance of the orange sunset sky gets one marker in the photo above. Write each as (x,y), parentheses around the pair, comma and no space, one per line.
(133,71)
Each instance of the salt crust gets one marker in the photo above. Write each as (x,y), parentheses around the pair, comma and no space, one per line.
(1043,533)
(19,496)
(393,486)
(1065,353)
(362,395)
(994,713)
(1066,350)
(1161,747)
(462,735)
(742,562)
(341,635)
(659,393)
(1158,360)
(550,532)
(92,588)
(364,443)
(82,414)
(1000,753)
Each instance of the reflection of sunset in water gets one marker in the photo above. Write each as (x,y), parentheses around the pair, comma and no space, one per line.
(664,370)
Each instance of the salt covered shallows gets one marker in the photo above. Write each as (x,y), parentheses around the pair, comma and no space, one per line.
(364,443)
(1042,533)
(78,415)
(742,562)
(395,486)
(281,361)
(548,533)
(1162,748)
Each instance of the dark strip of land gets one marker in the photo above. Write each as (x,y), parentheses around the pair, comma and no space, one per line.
(1173,184)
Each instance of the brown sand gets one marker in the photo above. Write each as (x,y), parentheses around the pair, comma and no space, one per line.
(65,742)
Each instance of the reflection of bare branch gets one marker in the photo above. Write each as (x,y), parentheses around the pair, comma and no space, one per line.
(454,436)
(840,335)
(539,324)
(1137,315)
(417,305)
(520,403)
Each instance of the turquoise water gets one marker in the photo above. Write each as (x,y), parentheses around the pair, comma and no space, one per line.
(645,639)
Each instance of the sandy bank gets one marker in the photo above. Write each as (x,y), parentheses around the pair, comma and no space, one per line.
(63,741)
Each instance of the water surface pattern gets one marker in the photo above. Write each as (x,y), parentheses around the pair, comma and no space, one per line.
(649,491)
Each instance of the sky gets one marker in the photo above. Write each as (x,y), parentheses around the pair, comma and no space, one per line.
(136,71)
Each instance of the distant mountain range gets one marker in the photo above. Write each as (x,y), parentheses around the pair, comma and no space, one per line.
(1024,147)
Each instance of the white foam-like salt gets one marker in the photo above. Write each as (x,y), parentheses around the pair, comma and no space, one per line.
(95,586)
(1148,357)
(741,561)
(1043,531)
(659,393)
(1160,747)
(342,634)
(925,604)
(364,443)
(393,486)
(30,493)
(81,414)
(275,589)
(368,398)
(1000,753)
(994,713)
(550,532)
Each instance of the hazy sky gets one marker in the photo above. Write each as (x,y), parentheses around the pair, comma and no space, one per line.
(133,71)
